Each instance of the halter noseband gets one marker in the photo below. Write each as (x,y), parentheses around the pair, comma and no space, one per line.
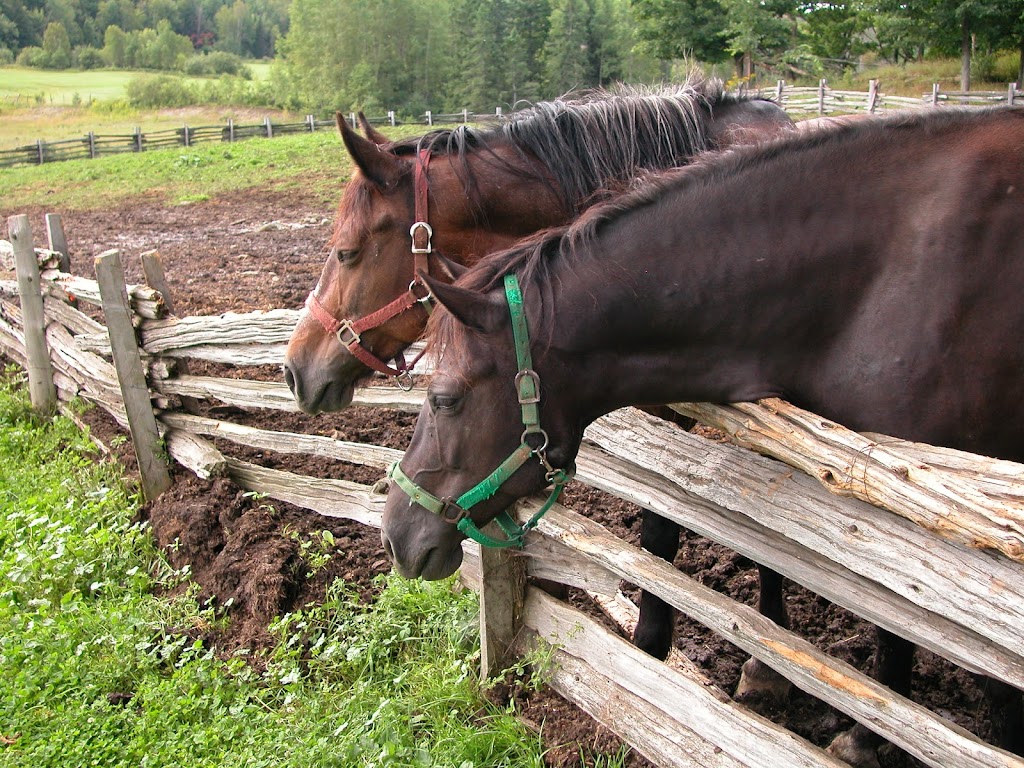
(527,384)
(349,332)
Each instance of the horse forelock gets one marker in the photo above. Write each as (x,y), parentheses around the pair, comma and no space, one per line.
(353,211)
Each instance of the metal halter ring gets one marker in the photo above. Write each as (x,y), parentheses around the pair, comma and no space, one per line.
(427,299)
(412,234)
(543,446)
(405,381)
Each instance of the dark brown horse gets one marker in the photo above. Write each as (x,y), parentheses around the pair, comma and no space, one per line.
(872,274)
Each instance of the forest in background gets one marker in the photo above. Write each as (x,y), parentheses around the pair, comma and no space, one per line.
(447,55)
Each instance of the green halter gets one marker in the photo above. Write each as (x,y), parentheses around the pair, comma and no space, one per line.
(528,388)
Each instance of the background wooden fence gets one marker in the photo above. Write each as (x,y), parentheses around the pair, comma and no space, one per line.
(800,101)
(928,543)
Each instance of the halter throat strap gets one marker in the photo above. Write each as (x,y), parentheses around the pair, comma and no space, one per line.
(527,382)
(349,332)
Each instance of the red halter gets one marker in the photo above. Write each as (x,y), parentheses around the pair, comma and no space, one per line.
(349,332)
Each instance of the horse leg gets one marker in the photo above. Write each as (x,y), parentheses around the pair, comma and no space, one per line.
(758,681)
(653,633)
(894,663)
(1006,712)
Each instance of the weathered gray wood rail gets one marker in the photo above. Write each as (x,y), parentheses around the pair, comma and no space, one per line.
(925,542)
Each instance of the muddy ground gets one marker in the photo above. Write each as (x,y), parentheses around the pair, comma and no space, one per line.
(265,251)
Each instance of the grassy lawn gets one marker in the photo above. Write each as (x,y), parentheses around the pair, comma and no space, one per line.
(98,669)
(316,161)
(51,105)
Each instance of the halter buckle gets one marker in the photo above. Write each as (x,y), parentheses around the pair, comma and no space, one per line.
(412,233)
(346,327)
(525,398)
(452,512)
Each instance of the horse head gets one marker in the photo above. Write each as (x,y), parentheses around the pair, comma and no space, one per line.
(374,254)
(399,215)
(484,438)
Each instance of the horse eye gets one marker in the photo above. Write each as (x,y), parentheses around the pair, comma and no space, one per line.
(346,257)
(444,403)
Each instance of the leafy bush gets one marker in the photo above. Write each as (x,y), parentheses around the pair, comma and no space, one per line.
(87,57)
(159,91)
(31,56)
(217,63)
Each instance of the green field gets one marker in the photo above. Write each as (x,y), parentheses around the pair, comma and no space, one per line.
(51,105)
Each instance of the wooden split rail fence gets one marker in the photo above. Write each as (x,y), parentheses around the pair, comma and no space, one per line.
(926,542)
(800,101)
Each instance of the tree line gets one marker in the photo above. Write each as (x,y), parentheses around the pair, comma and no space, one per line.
(413,55)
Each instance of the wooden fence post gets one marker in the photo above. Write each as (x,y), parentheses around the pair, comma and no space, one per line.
(41,388)
(780,86)
(153,269)
(231,131)
(92,145)
(187,140)
(39,150)
(1011,94)
(821,96)
(352,121)
(138,139)
(502,595)
(128,363)
(872,96)
(268,127)
(430,118)
(935,94)
(57,240)
(391,117)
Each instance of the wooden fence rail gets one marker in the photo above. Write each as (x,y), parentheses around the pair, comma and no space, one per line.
(800,101)
(925,542)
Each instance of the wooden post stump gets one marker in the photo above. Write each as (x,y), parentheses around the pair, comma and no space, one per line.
(502,594)
(130,375)
(42,390)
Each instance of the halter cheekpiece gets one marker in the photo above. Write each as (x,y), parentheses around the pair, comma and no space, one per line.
(527,384)
(349,332)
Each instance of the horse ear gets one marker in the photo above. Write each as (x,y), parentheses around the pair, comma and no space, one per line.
(451,268)
(475,310)
(379,166)
(372,133)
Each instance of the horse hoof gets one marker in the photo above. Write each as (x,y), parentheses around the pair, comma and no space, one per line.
(759,682)
(848,749)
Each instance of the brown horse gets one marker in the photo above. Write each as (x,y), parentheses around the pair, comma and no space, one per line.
(871,274)
(478,191)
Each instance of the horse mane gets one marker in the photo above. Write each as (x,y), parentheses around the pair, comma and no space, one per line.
(533,257)
(599,139)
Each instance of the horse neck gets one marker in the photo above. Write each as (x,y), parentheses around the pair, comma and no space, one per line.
(499,199)
(691,304)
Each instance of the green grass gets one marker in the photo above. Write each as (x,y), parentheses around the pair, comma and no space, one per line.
(97,669)
(23,86)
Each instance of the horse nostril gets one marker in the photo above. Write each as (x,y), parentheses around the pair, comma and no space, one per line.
(388,549)
(289,379)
